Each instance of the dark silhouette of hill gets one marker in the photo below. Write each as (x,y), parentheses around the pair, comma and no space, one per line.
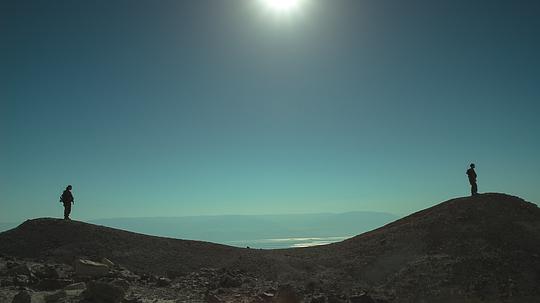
(62,240)
(485,247)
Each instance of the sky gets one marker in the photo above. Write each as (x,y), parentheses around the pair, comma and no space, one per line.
(176,108)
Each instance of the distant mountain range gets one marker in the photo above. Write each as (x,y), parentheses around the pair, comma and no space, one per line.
(242,230)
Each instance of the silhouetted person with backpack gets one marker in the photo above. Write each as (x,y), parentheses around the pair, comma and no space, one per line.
(472,180)
(67,199)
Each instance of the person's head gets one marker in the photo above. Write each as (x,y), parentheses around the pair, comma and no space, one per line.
(472,165)
(69,187)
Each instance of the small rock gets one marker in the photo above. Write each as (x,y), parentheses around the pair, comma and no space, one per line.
(76,286)
(90,269)
(132,300)
(266,295)
(22,297)
(6,282)
(104,292)
(122,284)
(107,262)
(287,294)
(163,282)
(336,299)
(21,280)
(312,285)
(145,277)
(361,298)
(220,291)
(229,281)
(318,299)
(45,272)
(127,275)
(211,298)
(56,297)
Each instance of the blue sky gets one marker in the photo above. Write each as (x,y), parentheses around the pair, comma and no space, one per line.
(171,108)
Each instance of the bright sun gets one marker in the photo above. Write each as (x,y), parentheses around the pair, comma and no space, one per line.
(282,6)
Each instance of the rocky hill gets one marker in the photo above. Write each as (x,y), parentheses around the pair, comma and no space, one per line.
(63,241)
(482,248)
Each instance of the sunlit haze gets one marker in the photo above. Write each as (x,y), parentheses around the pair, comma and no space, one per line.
(282,6)
(187,108)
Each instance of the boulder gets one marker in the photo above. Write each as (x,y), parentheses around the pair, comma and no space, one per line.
(287,294)
(58,296)
(52,284)
(45,272)
(101,292)
(22,297)
(89,268)
(14,269)
(63,270)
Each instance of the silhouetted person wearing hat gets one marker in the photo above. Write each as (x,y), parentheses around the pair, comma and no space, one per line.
(67,199)
(472,180)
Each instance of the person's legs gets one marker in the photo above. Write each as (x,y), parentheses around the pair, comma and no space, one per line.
(67,210)
(474,189)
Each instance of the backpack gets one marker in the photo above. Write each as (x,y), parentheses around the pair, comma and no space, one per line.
(63,197)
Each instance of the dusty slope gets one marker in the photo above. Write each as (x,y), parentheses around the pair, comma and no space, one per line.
(62,240)
(486,246)
(466,249)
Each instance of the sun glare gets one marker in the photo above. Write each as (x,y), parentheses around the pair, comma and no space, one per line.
(282,6)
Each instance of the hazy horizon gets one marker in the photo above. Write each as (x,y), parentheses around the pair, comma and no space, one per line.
(221,215)
(256,231)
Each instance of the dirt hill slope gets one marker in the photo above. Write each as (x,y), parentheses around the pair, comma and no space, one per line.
(61,240)
(487,246)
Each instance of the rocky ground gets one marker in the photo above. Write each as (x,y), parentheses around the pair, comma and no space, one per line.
(24,281)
